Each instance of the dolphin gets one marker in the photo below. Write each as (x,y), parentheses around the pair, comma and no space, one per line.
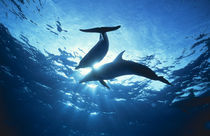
(98,52)
(120,67)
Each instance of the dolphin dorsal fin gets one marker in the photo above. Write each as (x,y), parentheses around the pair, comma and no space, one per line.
(119,56)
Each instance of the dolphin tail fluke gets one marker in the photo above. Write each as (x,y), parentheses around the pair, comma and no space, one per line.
(104,83)
(101,29)
(162,79)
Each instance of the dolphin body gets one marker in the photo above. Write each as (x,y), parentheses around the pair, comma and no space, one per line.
(120,67)
(98,52)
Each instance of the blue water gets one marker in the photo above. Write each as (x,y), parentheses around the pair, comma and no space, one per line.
(40,46)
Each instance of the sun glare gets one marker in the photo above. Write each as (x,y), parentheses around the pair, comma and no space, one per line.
(84,71)
(92,86)
(97,65)
(104,61)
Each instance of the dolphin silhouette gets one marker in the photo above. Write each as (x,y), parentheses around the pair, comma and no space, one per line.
(120,67)
(98,52)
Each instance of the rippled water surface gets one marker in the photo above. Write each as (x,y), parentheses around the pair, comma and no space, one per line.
(40,46)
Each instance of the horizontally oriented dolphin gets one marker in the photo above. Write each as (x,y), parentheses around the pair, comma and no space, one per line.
(98,52)
(120,67)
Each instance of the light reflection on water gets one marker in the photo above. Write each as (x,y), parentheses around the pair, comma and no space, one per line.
(94,113)
(92,86)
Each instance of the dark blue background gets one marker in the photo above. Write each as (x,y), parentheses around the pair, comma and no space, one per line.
(40,45)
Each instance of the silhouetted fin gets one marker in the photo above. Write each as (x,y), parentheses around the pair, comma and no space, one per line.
(104,83)
(162,79)
(77,67)
(119,56)
(101,29)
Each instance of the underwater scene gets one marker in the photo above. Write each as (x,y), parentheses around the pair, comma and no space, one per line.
(104,68)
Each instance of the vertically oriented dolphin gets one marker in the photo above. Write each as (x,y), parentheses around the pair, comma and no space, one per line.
(98,52)
(120,67)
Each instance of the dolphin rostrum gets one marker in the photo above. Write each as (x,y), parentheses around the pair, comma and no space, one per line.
(120,67)
(98,52)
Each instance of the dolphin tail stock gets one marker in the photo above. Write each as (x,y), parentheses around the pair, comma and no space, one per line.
(104,83)
(162,79)
(101,29)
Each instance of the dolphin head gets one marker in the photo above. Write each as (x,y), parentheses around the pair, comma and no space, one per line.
(89,77)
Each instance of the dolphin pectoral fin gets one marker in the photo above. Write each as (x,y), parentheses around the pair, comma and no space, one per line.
(104,83)
(101,29)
